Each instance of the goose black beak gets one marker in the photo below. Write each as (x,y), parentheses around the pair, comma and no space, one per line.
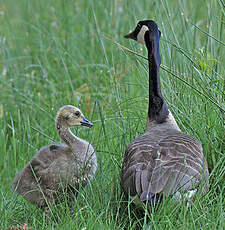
(86,122)
(131,35)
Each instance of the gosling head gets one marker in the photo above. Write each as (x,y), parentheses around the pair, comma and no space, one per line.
(144,32)
(69,115)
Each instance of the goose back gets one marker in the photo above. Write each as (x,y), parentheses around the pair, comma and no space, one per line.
(163,161)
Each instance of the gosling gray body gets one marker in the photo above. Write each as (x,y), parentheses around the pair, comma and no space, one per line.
(58,169)
(163,161)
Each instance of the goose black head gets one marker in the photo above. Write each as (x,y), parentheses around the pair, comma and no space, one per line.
(145,32)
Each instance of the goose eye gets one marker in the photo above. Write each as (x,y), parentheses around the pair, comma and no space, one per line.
(77,113)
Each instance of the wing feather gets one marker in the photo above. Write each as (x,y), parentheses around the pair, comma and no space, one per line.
(172,162)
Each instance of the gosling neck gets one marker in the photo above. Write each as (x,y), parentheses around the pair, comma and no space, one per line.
(157,110)
(66,135)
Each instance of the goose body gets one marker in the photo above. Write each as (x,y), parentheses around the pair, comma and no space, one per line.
(60,168)
(163,161)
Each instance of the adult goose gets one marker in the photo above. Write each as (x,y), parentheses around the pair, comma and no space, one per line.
(58,169)
(163,161)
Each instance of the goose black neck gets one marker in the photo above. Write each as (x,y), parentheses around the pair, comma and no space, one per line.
(157,109)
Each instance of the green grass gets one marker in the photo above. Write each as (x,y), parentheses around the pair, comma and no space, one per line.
(56,52)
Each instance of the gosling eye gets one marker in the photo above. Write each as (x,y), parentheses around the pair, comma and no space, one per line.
(77,113)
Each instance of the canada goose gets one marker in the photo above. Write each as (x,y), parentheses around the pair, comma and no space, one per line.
(58,168)
(163,161)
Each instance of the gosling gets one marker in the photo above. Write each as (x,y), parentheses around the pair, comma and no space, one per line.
(60,168)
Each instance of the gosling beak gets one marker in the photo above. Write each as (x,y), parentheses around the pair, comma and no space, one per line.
(131,35)
(86,122)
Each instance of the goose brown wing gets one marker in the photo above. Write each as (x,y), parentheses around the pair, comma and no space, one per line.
(172,162)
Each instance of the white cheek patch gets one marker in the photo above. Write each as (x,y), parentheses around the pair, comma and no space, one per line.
(141,34)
